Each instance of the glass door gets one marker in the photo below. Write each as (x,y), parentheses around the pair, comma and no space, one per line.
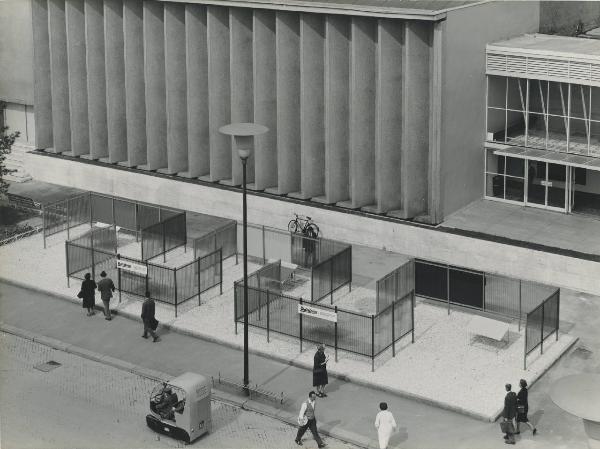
(547,185)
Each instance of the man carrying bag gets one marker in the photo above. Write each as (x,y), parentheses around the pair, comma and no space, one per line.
(508,415)
(308,420)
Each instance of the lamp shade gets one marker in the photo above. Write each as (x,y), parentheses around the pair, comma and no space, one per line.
(243,134)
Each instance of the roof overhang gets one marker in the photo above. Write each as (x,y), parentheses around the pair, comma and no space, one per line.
(323,7)
(553,157)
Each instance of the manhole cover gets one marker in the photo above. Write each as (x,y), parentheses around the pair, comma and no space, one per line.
(582,353)
(48,366)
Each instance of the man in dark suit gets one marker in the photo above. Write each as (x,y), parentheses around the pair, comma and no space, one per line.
(150,323)
(509,412)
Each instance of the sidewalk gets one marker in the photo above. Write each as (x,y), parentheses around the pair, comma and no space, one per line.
(347,413)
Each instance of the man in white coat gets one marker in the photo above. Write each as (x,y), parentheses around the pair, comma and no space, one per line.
(385,425)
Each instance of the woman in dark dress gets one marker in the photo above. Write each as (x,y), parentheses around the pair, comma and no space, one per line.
(523,407)
(88,293)
(320,371)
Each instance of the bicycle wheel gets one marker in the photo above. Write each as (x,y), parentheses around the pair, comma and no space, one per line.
(312,230)
(293,226)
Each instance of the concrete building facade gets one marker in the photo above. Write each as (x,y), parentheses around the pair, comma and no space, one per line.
(361,100)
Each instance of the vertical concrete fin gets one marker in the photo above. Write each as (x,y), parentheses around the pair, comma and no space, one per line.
(114,63)
(388,117)
(312,129)
(135,101)
(242,111)
(154,73)
(435,125)
(265,99)
(197,91)
(96,78)
(363,71)
(78,98)
(336,91)
(176,87)
(416,81)
(219,103)
(288,102)
(57,30)
(42,91)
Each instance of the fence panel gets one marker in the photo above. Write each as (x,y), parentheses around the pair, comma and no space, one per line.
(79,210)
(105,239)
(403,316)
(147,216)
(431,280)
(283,315)
(317,330)
(395,285)
(278,245)
(502,295)
(354,333)
(331,274)
(161,283)
(551,314)
(226,240)
(466,287)
(79,260)
(132,282)
(55,218)
(383,329)
(255,239)
(152,241)
(175,232)
(533,294)
(533,329)
(125,214)
(166,213)
(210,270)
(102,208)
(321,280)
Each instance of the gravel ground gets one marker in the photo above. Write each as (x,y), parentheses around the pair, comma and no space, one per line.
(443,360)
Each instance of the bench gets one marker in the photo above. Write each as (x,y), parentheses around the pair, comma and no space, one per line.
(488,328)
(255,391)
(23,202)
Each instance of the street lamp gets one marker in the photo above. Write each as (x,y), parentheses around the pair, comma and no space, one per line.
(243,140)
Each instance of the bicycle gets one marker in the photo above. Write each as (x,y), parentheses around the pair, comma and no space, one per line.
(303,225)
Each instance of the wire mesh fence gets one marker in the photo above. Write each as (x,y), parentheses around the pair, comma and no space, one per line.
(224,237)
(331,273)
(395,285)
(164,236)
(541,322)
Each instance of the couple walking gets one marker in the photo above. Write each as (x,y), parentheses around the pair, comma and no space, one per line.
(516,407)
(105,286)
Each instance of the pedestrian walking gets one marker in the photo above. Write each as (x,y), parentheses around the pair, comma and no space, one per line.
(523,407)
(320,378)
(150,323)
(88,294)
(106,287)
(508,415)
(308,420)
(385,425)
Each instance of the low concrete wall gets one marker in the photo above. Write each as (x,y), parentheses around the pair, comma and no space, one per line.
(427,243)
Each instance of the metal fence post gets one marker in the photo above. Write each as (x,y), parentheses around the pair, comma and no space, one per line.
(448,287)
(372,343)
(164,242)
(235,298)
(67,264)
(331,279)
(44,224)
(221,269)
(557,313)
(264,245)
(119,277)
(147,292)
(135,219)
(175,284)
(412,314)
(300,316)
(199,268)
(68,224)
(93,263)
(525,350)
(520,302)
(91,211)
(335,340)
(112,206)
(542,330)
(268,318)
(350,258)
(393,330)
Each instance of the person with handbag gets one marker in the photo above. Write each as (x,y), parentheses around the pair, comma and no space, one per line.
(523,407)
(150,322)
(508,415)
(88,293)
(308,420)
(320,378)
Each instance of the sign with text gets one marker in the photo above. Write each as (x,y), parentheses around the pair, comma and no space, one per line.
(132,266)
(317,312)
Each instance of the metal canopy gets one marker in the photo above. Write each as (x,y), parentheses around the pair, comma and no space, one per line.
(572,160)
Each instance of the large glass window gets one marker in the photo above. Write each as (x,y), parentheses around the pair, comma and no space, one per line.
(505,177)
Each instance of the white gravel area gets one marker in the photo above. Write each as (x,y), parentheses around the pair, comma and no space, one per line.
(445,365)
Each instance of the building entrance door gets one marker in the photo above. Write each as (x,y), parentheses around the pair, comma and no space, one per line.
(547,185)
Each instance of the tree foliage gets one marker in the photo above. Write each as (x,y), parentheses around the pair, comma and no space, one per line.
(6,141)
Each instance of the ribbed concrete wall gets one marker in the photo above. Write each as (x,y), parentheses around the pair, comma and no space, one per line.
(148,84)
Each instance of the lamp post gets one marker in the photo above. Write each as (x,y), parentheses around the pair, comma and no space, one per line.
(243,139)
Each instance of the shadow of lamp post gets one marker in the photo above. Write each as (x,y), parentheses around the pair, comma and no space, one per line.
(243,141)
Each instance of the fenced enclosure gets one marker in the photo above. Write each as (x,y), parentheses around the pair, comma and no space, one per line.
(331,273)
(395,285)
(224,237)
(273,311)
(491,293)
(541,322)
(90,207)
(96,251)
(164,236)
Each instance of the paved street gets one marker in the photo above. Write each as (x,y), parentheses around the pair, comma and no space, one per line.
(86,404)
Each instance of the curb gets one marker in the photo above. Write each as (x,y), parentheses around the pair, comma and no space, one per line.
(217,395)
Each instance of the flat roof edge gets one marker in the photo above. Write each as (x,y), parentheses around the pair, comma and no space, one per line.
(552,54)
(325,8)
